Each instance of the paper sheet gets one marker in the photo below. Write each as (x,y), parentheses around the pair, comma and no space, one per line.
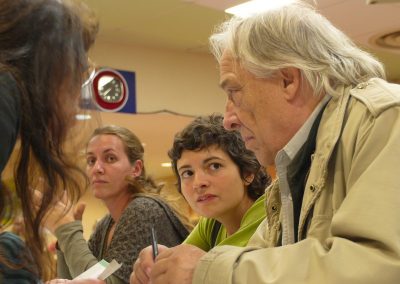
(100,270)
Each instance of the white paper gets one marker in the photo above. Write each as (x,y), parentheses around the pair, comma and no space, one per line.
(110,269)
(100,270)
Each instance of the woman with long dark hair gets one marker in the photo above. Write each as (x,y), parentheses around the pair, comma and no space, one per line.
(43,62)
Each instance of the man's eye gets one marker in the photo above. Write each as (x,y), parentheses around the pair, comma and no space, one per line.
(233,94)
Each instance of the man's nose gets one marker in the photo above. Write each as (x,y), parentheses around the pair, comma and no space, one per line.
(231,121)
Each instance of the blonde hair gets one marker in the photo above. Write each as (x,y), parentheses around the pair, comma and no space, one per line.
(142,185)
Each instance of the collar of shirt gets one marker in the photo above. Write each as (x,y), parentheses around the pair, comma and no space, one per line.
(300,137)
(282,161)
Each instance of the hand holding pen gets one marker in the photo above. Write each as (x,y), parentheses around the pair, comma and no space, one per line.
(146,260)
(154,243)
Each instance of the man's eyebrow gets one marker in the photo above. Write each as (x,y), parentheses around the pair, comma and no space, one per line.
(224,82)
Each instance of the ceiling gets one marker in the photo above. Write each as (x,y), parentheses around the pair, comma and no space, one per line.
(185,25)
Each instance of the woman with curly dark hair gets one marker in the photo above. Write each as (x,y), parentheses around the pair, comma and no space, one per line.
(221,180)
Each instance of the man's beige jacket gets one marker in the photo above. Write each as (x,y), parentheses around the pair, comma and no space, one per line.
(349,228)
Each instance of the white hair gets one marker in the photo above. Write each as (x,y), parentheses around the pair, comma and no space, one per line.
(297,36)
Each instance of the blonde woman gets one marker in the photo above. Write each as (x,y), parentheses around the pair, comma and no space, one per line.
(115,167)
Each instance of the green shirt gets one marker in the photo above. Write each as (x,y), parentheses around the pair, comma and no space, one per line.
(201,234)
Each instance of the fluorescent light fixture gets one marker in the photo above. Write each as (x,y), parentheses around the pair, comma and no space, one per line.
(166,165)
(81,116)
(248,8)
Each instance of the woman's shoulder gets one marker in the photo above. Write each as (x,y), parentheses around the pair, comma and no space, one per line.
(10,240)
(259,201)
(9,118)
(9,90)
(14,250)
(151,208)
(144,209)
(255,214)
(7,81)
(101,225)
(146,202)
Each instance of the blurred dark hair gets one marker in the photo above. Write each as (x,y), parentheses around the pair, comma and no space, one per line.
(43,45)
(206,131)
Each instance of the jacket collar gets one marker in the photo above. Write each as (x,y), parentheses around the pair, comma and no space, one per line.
(329,131)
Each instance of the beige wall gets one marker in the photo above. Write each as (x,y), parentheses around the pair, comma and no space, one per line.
(179,81)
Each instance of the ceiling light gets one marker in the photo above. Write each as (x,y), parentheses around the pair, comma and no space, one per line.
(81,116)
(381,1)
(255,6)
(166,165)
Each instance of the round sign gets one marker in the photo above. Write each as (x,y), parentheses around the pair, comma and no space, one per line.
(110,90)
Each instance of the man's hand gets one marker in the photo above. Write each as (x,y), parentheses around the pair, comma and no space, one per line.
(143,265)
(80,281)
(175,265)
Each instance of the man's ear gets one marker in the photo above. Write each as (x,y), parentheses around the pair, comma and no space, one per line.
(137,168)
(290,82)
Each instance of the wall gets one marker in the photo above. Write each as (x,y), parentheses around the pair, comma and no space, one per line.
(179,81)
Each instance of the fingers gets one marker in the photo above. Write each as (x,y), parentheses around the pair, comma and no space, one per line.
(57,281)
(87,281)
(134,279)
(172,265)
(163,252)
(162,263)
(79,281)
(162,248)
(78,211)
(143,266)
(176,265)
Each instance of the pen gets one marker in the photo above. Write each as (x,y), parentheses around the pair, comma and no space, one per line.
(154,242)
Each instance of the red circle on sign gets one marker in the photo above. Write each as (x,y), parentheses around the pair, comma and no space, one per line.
(101,98)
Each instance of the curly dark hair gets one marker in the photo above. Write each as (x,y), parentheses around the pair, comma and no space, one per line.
(206,131)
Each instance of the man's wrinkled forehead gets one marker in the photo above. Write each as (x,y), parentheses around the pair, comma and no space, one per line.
(228,66)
